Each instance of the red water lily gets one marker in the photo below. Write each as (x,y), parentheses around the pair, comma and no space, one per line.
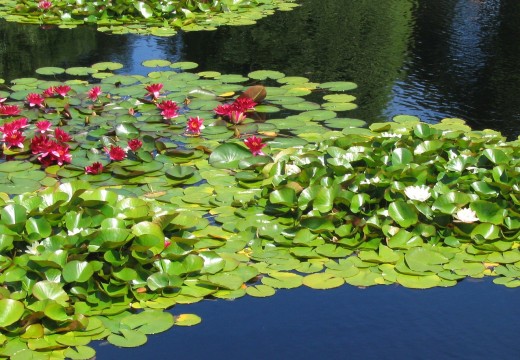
(153,90)
(194,125)
(35,100)
(61,135)
(49,151)
(135,144)
(9,110)
(169,109)
(94,169)
(14,125)
(116,153)
(94,93)
(255,144)
(62,90)
(43,126)
(243,104)
(236,112)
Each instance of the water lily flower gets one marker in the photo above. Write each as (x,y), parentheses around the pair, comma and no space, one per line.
(115,153)
(194,125)
(154,90)
(61,135)
(14,125)
(237,117)
(43,126)
(255,144)
(44,5)
(50,152)
(94,93)
(13,138)
(169,109)
(466,215)
(135,144)
(61,154)
(419,193)
(33,248)
(49,92)
(35,100)
(391,135)
(243,104)
(94,169)
(9,110)
(62,90)
(167,242)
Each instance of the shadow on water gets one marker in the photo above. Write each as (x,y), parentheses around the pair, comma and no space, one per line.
(473,320)
(433,59)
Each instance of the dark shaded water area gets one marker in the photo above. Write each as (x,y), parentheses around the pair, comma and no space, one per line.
(429,58)
(473,320)
(432,59)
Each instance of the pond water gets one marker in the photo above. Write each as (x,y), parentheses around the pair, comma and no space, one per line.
(433,59)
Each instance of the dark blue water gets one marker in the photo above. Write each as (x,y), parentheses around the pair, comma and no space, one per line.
(473,320)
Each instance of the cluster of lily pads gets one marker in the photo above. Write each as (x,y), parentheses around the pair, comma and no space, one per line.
(286,192)
(159,18)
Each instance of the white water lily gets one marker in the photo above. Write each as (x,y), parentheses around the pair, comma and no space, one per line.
(33,248)
(419,193)
(391,135)
(466,215)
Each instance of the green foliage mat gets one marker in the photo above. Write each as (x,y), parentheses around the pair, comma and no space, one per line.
(154,17)
(330,202)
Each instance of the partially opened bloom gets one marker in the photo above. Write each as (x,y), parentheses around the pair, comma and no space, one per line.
(419,193)
(49,92)
(154,90)
(43,126)
(115,153)
(94,169)
(466,215)
(94,93)
(35,100)
(60,154)
(9,110)
(44,5)
(62,90)
(237,117)
(194,125)
(255,144)
(61,135)
(135,144)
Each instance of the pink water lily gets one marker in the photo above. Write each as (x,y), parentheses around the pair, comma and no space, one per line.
(49,92)
(94,93)
(9,110)
(154,90)
(43,126)
(62,90)
(61,135)
(169,109)
(35,100)
(13,138)
(44,5)
(255,144)
(194,125)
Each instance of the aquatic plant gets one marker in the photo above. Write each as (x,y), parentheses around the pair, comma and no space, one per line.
(155,210)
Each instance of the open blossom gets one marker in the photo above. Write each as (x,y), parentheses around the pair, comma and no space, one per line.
(115,153)
(243,104)
(94,169)
(43,126)
(49,151)
(135,144)
(466,215)
(44,5)
(13,138)
(35,100)
(14,125)
(194,125)
(419,193)
(169,109)
(62,90)
(255,144)
(154,90)
(236,111)
(49,92)
(61,135)
(94,93)
(9,110)
(60,153)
